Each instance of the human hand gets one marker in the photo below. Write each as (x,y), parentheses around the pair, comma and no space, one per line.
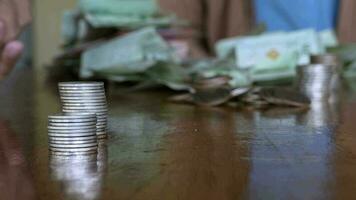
(14,15)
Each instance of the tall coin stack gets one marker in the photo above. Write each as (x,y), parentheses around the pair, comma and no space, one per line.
(86,97)
(314,81)
(72,134)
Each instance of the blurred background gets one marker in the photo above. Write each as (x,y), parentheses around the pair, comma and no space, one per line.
(47,17)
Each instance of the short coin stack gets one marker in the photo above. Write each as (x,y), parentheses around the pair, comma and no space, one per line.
(72,134)
(86,97)
(315,80)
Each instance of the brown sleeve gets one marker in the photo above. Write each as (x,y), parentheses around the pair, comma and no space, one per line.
(347,21)
(191,11)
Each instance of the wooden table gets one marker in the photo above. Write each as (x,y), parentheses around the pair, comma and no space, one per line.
(159,150)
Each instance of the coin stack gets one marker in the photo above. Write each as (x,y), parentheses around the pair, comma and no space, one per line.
(72,134)
(314,80)
(85,97)
(333,61)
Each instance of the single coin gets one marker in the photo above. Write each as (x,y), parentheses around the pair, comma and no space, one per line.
(71,135)
(69,139)
(71,110)
(83,98)
(76,141)
(84,104)
(89,127)
(81,83)
(72,116)
(88,101)
(62,153)
(89,120)
(75,91)
(74,146)
(84,149)
(72,124)
(85,107)
(103,136)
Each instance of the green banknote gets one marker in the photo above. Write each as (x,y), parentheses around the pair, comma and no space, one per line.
(120,7)
(226,47)
(102,20)
(130,54)
(328,38)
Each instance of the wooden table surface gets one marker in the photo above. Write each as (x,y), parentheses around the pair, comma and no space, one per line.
(159,150)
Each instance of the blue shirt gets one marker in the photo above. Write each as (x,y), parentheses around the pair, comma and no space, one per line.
(288,15)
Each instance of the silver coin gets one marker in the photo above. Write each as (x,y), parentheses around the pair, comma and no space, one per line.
(85,104)
(61,151)
(69,85)
(74,149)
(101,124)
(72,124)
(102,121)
(84,93)
(72,120)
(72,135)
(89,101)
(101,112)
(80,88)
(78,140)
(79,131)
(99,128)
(68,139)
(102,137)
(89,127)
(87,108)
(72,130)
(83,145)
(103,132)
(64,116)
(96,107)
(71,154)
(74,142)
(80,113)
(81,84)
(84,98)
(60,89)
(80,91)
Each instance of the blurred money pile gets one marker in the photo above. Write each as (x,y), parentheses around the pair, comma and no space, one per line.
(133,40)
(122,40)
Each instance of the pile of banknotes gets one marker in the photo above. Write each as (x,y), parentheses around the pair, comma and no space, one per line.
(131,41)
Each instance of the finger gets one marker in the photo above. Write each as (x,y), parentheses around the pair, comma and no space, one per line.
(9,57)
